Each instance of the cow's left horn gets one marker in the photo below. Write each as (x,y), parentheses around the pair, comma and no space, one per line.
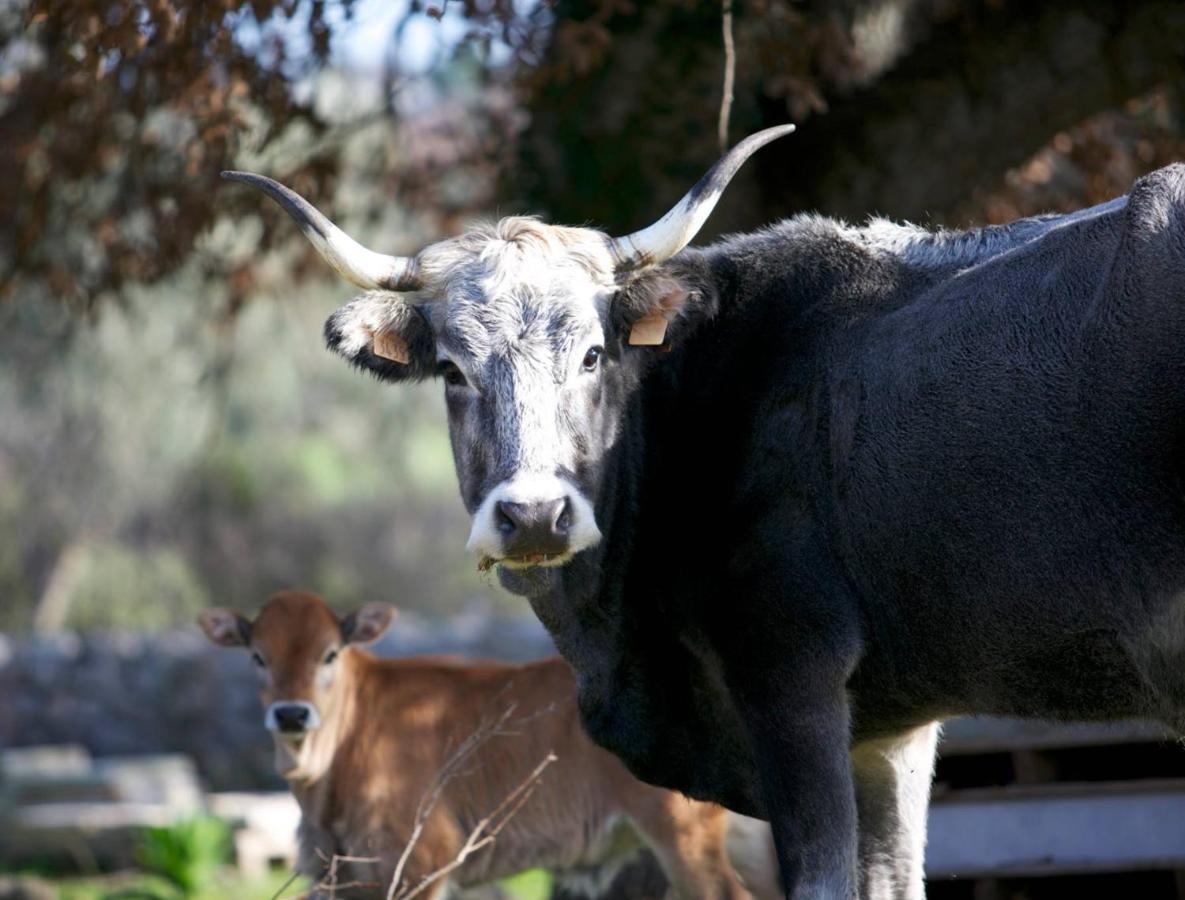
(675,230)
(352,261)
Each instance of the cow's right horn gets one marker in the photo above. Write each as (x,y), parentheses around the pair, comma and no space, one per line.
(674,231)
(353,262)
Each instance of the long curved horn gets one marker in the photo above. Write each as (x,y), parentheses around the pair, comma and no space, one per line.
(352,261)
(674,231)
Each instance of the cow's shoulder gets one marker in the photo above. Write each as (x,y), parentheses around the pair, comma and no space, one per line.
(1151,267)
(1156,200)
(1156,211)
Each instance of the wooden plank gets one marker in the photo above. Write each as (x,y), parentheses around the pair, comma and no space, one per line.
(1057,829)
(985,734)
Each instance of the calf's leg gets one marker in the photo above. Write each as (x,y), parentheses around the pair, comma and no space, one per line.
(751,851)
(689,839)
(892,777)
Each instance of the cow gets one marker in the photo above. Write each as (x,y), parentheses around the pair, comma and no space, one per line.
(370,747)
(788,500)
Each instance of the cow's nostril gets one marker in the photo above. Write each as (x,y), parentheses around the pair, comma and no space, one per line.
(563,521)
(535,528)
(504,521)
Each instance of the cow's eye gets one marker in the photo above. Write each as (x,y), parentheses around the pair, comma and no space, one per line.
(329,657)
(450,373)
(592,358)
(258,660)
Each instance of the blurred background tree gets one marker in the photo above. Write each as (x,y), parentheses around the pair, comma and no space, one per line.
(172,434)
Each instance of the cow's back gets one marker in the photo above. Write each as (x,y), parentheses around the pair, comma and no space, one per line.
(960,454)
(997,467)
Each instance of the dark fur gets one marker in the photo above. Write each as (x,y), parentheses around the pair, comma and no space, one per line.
(872,493)
(872,487)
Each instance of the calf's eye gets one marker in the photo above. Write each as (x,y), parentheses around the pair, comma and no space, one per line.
(592,358)
(329,657)
(258,660)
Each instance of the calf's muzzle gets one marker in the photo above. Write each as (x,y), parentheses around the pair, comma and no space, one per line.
(292,718)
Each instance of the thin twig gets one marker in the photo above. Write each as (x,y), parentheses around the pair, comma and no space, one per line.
(330,881)
(287,884)
(730,65)
(447,772)
(484,833)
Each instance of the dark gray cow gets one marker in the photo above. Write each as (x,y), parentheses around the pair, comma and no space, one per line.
(881,477)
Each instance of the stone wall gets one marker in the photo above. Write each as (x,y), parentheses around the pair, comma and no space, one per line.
(174,693)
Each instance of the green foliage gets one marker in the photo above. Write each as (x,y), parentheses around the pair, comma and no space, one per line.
(188,853)
(534,884)
(126,588)
(168,459)
(223,883)
(137,887)
(226,885)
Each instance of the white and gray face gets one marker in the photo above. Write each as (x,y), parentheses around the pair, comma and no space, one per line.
(521,344)
(516,318)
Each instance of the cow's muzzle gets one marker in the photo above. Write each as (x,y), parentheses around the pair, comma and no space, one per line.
(533,521)
(531,530)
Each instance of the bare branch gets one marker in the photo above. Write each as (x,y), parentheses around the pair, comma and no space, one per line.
(451,769)
(484,833)
(287,884)
(458,764)
(330,882)
(730,65)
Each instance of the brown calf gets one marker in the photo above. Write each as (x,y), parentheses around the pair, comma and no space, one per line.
(361,740)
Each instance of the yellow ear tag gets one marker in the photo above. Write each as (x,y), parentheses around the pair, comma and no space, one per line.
(390,345)
(649,331)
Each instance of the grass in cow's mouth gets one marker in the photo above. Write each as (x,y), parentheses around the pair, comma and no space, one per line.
(533,559)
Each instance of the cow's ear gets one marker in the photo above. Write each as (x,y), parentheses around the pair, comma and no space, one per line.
(649,309)
(366,624)
(384,334)
(225,627)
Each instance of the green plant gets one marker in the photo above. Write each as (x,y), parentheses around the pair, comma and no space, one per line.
(188,853)
(534,884)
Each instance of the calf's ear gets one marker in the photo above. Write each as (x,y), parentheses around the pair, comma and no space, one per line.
(650,309)
(225,627)
(384,334)
(366,624)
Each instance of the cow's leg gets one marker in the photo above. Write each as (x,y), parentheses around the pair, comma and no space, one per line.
(807,780)
(799,729)
(892,778)
(786,655)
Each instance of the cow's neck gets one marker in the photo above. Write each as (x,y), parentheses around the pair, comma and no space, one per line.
(583,609)
(622,613)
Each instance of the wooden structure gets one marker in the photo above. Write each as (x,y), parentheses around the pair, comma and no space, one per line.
(1031,810)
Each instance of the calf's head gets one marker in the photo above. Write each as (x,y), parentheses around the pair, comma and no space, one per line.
(530,328)
(300,651)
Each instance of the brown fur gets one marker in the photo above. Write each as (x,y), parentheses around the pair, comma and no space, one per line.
(388,726)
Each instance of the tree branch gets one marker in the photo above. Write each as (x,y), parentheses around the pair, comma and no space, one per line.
(484,833)
(487,829)
(730,66)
